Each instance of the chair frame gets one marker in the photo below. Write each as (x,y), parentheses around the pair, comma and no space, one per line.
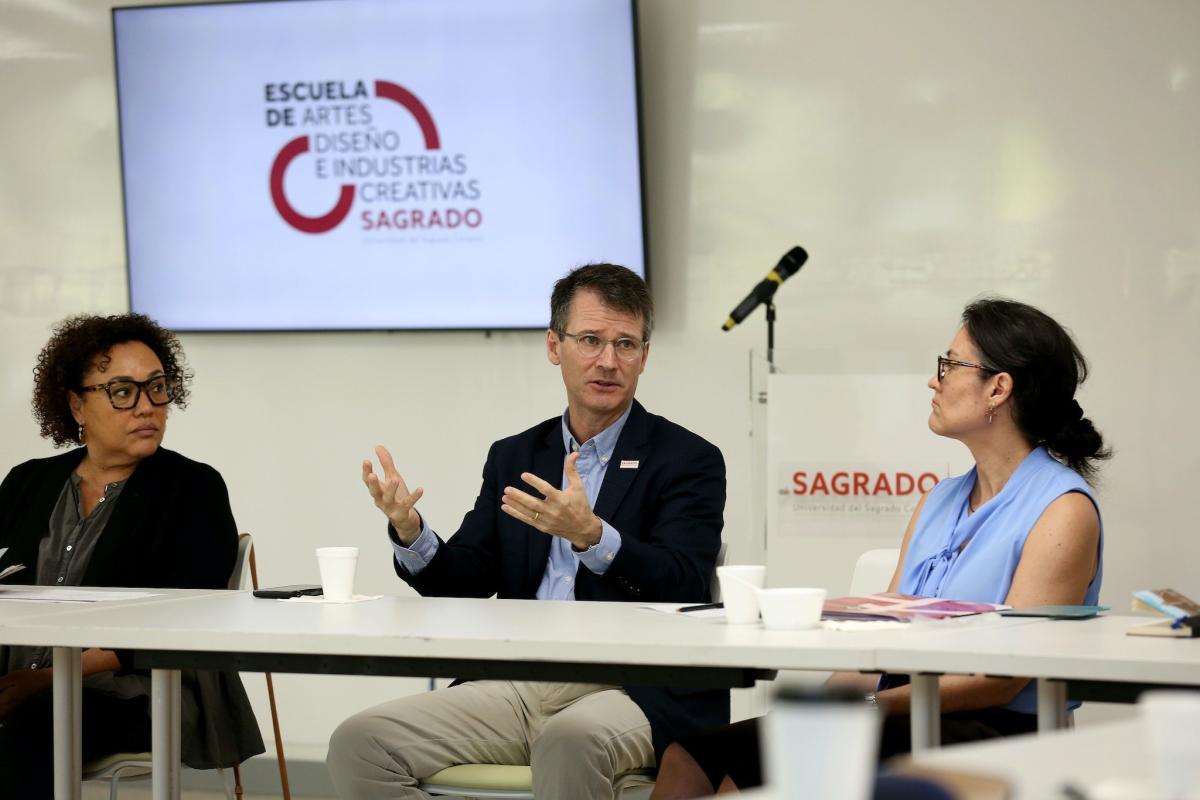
(628,781)
(440,790)
(279,756)
(138,765)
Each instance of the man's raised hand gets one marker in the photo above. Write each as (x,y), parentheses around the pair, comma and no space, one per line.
(564,513)
(392,497)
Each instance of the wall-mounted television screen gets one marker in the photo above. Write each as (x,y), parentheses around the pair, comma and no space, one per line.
(374,164)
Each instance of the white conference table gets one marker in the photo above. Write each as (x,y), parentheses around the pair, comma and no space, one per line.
(1087,657)
(1111,757)
(602,642)
(68,675)
(439,637)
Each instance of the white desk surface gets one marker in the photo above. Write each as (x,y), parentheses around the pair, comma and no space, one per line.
(1038,766)
(1096,649)
(573,632)
(13,611)
(449,628)
(16,611)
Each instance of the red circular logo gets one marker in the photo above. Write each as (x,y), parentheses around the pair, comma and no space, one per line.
(341,209)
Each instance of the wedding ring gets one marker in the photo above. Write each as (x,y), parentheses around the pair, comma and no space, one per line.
(536,514)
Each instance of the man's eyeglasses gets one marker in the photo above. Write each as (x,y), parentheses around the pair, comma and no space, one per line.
(125,394)
(944,363)
(590,345)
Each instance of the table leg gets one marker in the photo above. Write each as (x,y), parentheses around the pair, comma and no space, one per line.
(164,732)
(68,723)
(1051,704)
(925,713)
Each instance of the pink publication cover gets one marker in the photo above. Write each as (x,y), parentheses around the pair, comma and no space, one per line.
(902,607)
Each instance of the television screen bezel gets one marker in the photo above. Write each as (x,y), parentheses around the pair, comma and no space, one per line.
(639,113)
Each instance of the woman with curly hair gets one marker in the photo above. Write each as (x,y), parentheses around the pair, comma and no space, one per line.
(118,510)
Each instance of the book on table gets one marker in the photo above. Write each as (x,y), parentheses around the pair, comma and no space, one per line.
(1055,611)
(892,606)
(1182,614)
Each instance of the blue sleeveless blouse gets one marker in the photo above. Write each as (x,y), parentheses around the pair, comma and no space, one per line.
(938,565)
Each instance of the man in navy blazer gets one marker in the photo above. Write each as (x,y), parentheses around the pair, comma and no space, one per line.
(606,502)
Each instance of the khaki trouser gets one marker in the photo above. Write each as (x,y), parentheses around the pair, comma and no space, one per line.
(577,737)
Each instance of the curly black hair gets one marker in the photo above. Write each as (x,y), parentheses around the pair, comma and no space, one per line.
(74,346)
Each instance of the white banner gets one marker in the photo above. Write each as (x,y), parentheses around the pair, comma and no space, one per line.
(848,458)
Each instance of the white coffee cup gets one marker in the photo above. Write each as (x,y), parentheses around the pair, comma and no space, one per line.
(739,591)
(337,565)
(1171,719)
(820,743)
(791,609)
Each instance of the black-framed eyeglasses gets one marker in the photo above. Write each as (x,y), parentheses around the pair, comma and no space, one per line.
(124,393)
(590,345)
(944,362)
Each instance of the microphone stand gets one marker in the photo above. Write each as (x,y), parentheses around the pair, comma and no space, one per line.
(771,337)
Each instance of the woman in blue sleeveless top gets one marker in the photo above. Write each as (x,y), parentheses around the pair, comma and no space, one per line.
(1022,528)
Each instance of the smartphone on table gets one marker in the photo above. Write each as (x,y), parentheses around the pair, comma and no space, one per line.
(284,592)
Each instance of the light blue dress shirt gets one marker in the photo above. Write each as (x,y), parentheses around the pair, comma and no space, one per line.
(558,581)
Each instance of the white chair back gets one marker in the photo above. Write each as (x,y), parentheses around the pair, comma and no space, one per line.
(873,572)
(237,578)
(714,585)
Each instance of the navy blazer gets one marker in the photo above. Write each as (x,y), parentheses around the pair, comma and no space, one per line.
(668,512)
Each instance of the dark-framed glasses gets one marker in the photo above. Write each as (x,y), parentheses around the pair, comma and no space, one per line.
(944,364)
(124,393)
(590,345)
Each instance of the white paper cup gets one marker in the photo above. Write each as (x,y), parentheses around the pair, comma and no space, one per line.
(1171,719)
(791,609)
(821,744)
(337,565)
(739,592)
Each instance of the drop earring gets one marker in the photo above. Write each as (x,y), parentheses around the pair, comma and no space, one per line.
(991,413)
(82,435)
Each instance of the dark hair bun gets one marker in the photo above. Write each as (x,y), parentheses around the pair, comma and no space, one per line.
(1077,440)
(1046,367)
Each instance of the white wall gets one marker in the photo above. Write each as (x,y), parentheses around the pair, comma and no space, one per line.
(923,153)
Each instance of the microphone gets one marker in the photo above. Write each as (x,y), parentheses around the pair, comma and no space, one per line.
(788,266)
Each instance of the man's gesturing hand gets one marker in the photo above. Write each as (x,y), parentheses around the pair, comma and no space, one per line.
(392,497)
(564,513)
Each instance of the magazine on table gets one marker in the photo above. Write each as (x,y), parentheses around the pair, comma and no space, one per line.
(902,607)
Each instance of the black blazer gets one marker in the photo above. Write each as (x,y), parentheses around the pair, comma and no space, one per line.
(668,512)
(172,529)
